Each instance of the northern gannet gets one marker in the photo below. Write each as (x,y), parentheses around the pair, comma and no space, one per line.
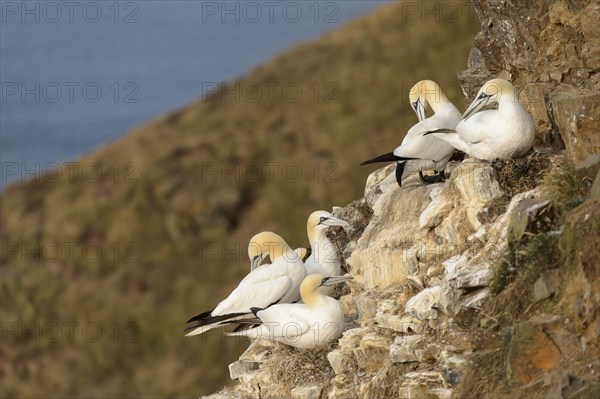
(277,282)
(323,257)
(417,152)
(317,321)
(506,132)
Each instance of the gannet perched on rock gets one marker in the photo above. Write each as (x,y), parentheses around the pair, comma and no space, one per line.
(277,282)
(506,132)
(317,321)
(418,152)
(323,257)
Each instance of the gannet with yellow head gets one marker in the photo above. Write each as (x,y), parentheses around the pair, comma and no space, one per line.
(418,152)
(317,321)
(277,282)
(506,132)
(323,257)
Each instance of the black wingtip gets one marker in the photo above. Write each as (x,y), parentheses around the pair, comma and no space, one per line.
(255,311)
(245,326)
(222,319)
(389,157)
(200,316)
(439,131)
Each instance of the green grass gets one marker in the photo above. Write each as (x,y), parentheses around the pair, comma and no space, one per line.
(526,257)
(170,212)
(526,261)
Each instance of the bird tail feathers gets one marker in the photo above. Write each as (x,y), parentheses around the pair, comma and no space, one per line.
(200,316)
(202,325)
(389,157)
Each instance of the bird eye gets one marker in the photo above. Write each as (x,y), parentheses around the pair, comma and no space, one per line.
(415,104)
(482,95)
(322,219)
(324,280)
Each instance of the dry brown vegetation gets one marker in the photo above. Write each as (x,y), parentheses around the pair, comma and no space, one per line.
(517,176)
(562,238)
(292,367)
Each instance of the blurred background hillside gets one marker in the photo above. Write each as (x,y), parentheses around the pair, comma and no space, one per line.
(123,259)
(91,71)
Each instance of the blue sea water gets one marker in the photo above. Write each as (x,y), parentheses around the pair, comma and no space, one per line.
(77,74)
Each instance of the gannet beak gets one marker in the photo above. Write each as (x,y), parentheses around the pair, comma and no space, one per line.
(301,252)
(333,280)
(419,108)
(333,221)
(256,261)
(476,105)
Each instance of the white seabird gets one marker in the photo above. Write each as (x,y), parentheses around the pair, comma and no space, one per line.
(317,321)
(323,259)
(418,152)
(506,132)
(277,282)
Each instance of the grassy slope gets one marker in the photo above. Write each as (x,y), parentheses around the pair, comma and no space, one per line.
(169,212)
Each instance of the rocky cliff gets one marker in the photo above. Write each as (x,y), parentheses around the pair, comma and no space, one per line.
(486,285)
(551,50)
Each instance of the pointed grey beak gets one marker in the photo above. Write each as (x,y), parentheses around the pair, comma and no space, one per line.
(301,252)
(475,106)
(419,108)
(256,261)
(333,221)
(333,280)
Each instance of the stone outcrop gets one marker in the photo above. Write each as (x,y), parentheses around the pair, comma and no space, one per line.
(385,254)
(422,262)
(425,316)
(551,51)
